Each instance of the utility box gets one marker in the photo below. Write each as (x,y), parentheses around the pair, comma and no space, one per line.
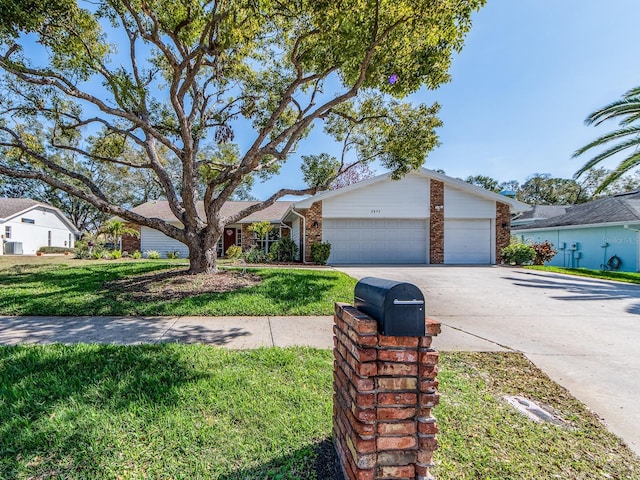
(397,307)
(13,248)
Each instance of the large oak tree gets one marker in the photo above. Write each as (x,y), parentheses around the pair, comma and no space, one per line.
(205,95)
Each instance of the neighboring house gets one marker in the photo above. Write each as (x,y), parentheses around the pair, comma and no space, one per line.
(235,234)
(538,212)
(591,234)
(423,218)
(27,225)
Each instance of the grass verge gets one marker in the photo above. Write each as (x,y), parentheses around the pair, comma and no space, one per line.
(86,289)
(192,411)
(627,277)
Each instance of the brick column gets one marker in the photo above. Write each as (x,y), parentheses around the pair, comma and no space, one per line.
(384,390)
(503,235)
(313,233)
(436,222)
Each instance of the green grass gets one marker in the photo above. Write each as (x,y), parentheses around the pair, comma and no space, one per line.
(627,277)
(83,289)
(196,412)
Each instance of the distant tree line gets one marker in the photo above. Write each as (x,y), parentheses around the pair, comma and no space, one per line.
(543,189)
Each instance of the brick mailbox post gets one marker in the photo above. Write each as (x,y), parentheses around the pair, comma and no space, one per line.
(384,390)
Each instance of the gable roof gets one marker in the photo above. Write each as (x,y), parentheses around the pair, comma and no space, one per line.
(160,209)
(12,207)
(514,204)
(539,212)
(621,208)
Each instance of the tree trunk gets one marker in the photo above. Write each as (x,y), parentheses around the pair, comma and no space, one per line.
(203,256)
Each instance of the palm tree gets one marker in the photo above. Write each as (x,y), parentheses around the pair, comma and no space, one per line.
(114,229)
(626,138)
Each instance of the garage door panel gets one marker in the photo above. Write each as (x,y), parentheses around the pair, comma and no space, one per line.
(467,242)
(376,241)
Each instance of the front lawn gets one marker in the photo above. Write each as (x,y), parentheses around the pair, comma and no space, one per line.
(193,411)
(627,277)
(130,287)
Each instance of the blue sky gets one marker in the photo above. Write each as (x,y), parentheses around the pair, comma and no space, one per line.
(529,74)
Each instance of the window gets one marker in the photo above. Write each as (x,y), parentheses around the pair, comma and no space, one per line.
(272,237)
(49,238)
(239,237)
(7,232)
(28,220)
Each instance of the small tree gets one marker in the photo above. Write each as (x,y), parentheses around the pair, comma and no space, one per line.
(262,230)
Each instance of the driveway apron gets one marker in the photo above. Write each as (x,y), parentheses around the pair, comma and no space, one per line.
(583,333)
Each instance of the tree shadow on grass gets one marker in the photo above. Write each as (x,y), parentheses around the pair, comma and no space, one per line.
(317,461)
(46,394)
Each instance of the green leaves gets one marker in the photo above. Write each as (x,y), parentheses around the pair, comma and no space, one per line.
(319,170)
(627,112)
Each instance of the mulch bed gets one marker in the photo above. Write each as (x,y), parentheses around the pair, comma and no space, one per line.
(178,284)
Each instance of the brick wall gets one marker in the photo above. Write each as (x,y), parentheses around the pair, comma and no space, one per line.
(503,235)
(247,237)
(384,390)
(436,223)
(131,243)
(312,234)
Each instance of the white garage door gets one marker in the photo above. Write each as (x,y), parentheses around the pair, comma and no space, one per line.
(467,242)
(376,241)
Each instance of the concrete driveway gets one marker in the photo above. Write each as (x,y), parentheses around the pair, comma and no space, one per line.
(585,334)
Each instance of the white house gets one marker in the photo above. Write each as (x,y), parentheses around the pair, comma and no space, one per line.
(423,218)
(27,225)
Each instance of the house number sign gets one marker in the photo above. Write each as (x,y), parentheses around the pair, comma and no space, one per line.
(376,211)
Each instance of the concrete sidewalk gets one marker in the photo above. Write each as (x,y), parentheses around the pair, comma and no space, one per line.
(231,332)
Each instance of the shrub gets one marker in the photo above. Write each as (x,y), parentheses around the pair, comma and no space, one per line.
(544,252)
(136,255)
(115,254)
(173,254)
(234,252)
(54,249)
(518,254)
(320,252)
(256,255)
(284,250)
(97,253)
(152,254)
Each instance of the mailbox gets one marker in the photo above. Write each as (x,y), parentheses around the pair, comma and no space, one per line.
(398,307)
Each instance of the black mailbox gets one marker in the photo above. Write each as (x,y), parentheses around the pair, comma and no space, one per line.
(398,307)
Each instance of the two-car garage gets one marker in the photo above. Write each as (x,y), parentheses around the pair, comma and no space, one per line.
(394,241)
(423,218)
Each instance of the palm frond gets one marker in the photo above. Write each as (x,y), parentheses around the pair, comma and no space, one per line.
(619,108)
(629,163)
(600,141)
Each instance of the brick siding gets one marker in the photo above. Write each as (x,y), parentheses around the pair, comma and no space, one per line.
(503,235)
(436,223)
(312,234)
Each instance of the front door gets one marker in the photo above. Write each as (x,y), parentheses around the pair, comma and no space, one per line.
(229,237)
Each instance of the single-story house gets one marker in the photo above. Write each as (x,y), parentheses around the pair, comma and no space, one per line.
(601,234)
(235,234)
(424,218)
(27,225)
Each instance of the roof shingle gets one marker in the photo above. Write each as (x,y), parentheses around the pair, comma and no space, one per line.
(160,209)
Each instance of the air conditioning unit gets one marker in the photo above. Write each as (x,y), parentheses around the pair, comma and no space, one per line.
(13,248)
